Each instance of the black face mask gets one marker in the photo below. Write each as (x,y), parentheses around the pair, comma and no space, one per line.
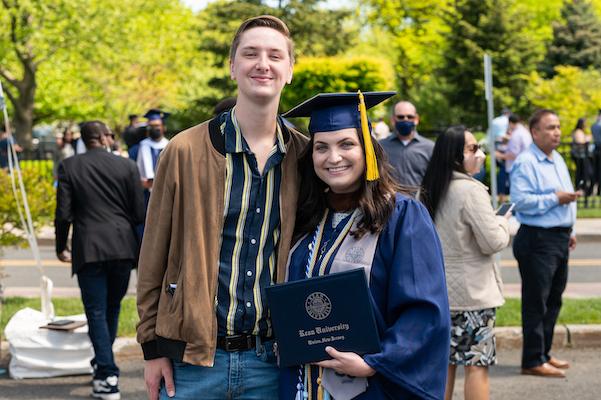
(155,133)
(404,128)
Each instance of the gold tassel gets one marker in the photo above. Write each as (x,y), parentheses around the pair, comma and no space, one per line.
(371,163)
(320,387)
(309,383)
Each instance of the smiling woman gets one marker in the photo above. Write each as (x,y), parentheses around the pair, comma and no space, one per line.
(352,214)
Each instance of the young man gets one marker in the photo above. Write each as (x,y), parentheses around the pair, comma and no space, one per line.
(100,194)
(221,218)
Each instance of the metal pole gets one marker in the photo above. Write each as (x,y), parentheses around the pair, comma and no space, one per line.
(491,139)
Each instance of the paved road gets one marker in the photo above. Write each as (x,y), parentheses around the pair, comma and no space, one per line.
(583,381)
(23,276)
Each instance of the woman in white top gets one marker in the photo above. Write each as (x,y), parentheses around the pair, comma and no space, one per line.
(471,234)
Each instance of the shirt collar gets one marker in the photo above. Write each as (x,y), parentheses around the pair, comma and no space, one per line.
(416,138)
(234,140)
(540,155)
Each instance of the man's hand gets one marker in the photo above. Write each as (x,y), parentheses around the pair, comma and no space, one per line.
(64,256)
(154,371)
(572,243)
(567,197)
(347,363)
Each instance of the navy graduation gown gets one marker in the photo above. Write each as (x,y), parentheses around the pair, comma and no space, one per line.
(409,297)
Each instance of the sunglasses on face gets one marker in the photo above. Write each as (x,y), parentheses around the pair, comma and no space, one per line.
(402,117)
(472,148)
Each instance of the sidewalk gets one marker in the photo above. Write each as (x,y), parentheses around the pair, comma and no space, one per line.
(587,229)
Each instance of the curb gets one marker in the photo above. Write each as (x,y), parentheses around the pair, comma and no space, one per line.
(565,336)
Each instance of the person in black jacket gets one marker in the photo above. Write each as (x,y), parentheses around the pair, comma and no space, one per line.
(101,195)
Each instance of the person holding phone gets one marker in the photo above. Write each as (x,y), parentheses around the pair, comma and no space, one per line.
(471,234)
(545,205)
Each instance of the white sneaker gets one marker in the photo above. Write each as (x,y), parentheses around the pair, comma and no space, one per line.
(106,389)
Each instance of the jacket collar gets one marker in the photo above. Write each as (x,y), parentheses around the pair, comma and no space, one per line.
(216,129)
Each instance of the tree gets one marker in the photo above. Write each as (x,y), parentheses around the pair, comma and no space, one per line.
(487,26)
(572,92)
(36,31)
(101,59)
(315,31)
(577,40)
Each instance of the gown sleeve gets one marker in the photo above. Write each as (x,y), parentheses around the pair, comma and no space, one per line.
(409,288)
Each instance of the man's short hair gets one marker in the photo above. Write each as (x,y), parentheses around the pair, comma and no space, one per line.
(266,21)
(93,130)
(514,118)
(537,116)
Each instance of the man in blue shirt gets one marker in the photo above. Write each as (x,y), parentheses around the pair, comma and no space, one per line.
(545,205)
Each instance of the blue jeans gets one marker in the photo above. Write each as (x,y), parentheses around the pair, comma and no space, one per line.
(239,375)
(103,285)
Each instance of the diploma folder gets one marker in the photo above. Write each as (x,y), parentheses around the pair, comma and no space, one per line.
(331,310)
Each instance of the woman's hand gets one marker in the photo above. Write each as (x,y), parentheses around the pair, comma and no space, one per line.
(347,363)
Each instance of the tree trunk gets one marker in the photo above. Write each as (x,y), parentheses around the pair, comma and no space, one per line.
(23,107)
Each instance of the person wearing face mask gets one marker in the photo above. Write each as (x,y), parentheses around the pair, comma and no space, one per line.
(471,233)
(100,194)
(407,151)
(151,147)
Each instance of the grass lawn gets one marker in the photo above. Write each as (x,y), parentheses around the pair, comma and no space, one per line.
(70,306)
(574,311)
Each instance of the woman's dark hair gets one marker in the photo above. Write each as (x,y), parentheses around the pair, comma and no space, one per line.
(376,199)
(447,157)
(580,123)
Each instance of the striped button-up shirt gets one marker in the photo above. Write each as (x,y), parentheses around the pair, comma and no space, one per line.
(251,230)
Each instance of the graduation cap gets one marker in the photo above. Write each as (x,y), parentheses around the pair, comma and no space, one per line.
(155,113)
(334,111)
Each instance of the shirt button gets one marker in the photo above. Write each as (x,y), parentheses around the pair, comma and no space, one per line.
(258,210)
(249,273)
(248,304)
(253,241)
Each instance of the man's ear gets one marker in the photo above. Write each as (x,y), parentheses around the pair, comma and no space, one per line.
(232,70)
(289,80)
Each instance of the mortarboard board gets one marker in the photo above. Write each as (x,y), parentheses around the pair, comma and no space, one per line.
(154,113)
(334,111)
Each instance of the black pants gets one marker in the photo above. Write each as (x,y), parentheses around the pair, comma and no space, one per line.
(542,256)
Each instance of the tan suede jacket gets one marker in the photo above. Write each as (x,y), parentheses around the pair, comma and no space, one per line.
(471,234)
(182,239)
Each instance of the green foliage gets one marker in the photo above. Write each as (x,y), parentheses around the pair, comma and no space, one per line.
(572,93)
(100,59)
(487,26)
(315,32)
(333,74)
(410,34)
(577,41)
(40,197)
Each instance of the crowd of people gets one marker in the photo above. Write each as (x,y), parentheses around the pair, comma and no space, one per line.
(243,201)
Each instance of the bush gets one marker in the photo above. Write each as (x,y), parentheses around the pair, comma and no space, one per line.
(37,179)
(334,74)
(572,93)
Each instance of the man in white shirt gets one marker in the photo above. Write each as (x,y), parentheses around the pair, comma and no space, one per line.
(151,147)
